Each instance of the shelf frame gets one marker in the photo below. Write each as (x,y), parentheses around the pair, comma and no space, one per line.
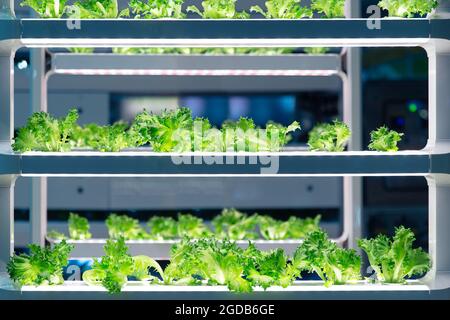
(431,34)
(285,65)
(300,290)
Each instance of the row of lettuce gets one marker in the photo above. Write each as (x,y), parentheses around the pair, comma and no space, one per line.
(178,131)
(204,51)
(209,261)
(215,9)
(230,224)
(212,9)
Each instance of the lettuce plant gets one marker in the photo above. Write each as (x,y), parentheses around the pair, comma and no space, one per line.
(218,9)
(157,9)
(114,269)
(395,259)
(42,266)
(334,265)
(78,227)
(384,139)
(46,133)
(329,8)
(299,228)
(235,225)
(283,9)
(330,137)
(209,260)
(46,8)
(162,228)
(124,227)
(408,8)
(96,9)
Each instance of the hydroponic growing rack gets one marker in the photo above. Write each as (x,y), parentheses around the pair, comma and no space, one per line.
(433,162)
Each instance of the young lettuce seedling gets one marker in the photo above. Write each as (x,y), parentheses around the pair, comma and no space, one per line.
(46,133)
(384,139)
(96,9)
(408,8)
(116,266)
(42,266)
(157,9)
(235,225)
(78,227)
(53,9)
(283,9)
(218,9)
(334,265)
(217,262)
(163,228)
(126,227)
(329,8)
(330,137)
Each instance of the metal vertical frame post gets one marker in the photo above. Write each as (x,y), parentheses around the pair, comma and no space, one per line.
(352,186)
(7,50)
(438,143)
(6,219)
(38,102)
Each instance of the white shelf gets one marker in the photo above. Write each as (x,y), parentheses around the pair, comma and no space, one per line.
(204,32)
(286,163)
(414,289)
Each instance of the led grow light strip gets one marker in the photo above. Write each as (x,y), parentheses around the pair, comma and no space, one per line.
(178,72)
(289,153)
(164,242)
(220,175)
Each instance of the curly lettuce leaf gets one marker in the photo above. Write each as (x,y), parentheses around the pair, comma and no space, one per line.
(96,9)
(157,9)
(191,226)
(299,228)
(163,228)
(78,227)
(384,139)
(329,8)
(123,226)
(408,8)
(334,265)
(218,9)
(283,9)
(42,266)
(331,137)
(395,259)
(46,133)
(53,9)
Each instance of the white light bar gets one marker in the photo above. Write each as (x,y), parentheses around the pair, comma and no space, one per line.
(166,72)
(138,153)
(299,286)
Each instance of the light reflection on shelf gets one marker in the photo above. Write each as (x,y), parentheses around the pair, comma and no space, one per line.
(179,72)
(298,286)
